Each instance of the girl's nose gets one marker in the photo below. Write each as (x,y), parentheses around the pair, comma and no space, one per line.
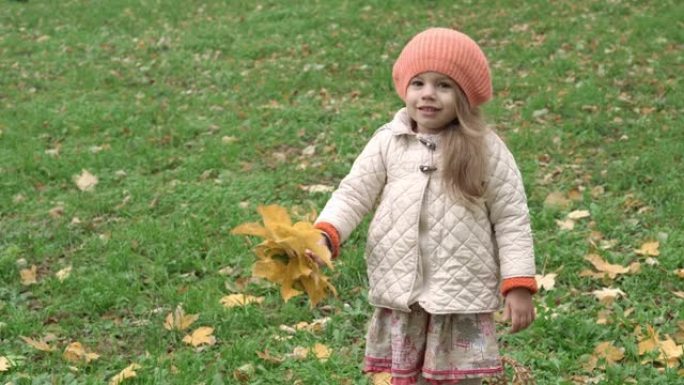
(428,91)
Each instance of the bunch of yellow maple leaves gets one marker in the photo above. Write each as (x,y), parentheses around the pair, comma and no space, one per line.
(282,255)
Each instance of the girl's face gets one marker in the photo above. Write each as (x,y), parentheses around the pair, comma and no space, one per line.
(431,101)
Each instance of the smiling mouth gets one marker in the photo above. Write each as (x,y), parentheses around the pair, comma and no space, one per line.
(428,109)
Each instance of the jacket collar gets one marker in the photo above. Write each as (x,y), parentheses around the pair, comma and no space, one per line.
(401,123)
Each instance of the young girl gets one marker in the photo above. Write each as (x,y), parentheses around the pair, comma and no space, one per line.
(451,230)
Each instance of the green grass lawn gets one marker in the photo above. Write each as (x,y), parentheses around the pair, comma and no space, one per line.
(191,114)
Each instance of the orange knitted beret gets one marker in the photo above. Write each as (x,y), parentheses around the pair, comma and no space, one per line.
(448,52)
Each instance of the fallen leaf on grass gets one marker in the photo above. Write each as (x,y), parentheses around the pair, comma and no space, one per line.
(680,273)
(606,351)
(4,364)
(601,265)
(63,273)
(41,344)
(178,320)
(244,372)
(234,300)
(649,249)
(670,352)
(75,352)
(557,199)
(316,326)
(317,188)
(201,336)
(547,282)
(679,294)
(128,372)
(608,295)
(321,352)
(567,224)
(579,214)
(381,378)
(266,356)
(86,181)
(28,276)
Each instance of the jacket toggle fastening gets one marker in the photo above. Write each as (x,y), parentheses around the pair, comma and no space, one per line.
(431,146)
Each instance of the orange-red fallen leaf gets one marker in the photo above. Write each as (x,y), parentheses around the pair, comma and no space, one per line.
(234,300)
(41,345)
(178,320)
(601,265)
(128,372)
(28,276)
(546,282)
(266,356)
(201,336)
(4,364)
(75,352)
(86,181)
(381,378)
(649,249)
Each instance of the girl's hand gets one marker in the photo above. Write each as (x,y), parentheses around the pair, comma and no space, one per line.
(315,257)
(519,309)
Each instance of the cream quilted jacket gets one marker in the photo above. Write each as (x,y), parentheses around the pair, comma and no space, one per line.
(469,249)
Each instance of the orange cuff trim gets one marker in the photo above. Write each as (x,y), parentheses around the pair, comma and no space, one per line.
(528,283)
(332,234)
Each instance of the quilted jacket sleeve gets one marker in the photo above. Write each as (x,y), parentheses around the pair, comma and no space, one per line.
(358,191)
(508,213)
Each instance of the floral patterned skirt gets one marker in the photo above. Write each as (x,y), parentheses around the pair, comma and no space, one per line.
(418,347)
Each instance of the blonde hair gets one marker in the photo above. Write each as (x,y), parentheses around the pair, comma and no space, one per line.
(464,163)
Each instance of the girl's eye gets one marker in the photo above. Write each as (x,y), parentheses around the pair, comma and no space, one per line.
(445,85)
(416,83)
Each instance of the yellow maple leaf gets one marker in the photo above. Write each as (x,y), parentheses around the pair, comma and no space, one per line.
(609,352)
(201,336)
(38,344)
(127,372)
(28,276)
(75,352)
(234,300)
(282,256)
(178,320)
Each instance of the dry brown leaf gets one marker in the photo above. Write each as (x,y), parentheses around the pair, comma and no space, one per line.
(244,373)
(575,195)
(128,372)
(608,295)
(609,352)
(282,256)
(201,336)
(680,273)
(649,249)
(317,188)
(557,199)
(178,320)
(579,214)
(670,352)
(601,265)
(603,317)
(86,181)
(4,364)
(56,212)
(316,326)
(28,276)
(75,352)
(567,224)
(234,300)
(41,344)
(299,353)
(679,335)
(321,352)
(63,273)
(381,378)
(266,356)
(679,294)
(592,274)
(547,282)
